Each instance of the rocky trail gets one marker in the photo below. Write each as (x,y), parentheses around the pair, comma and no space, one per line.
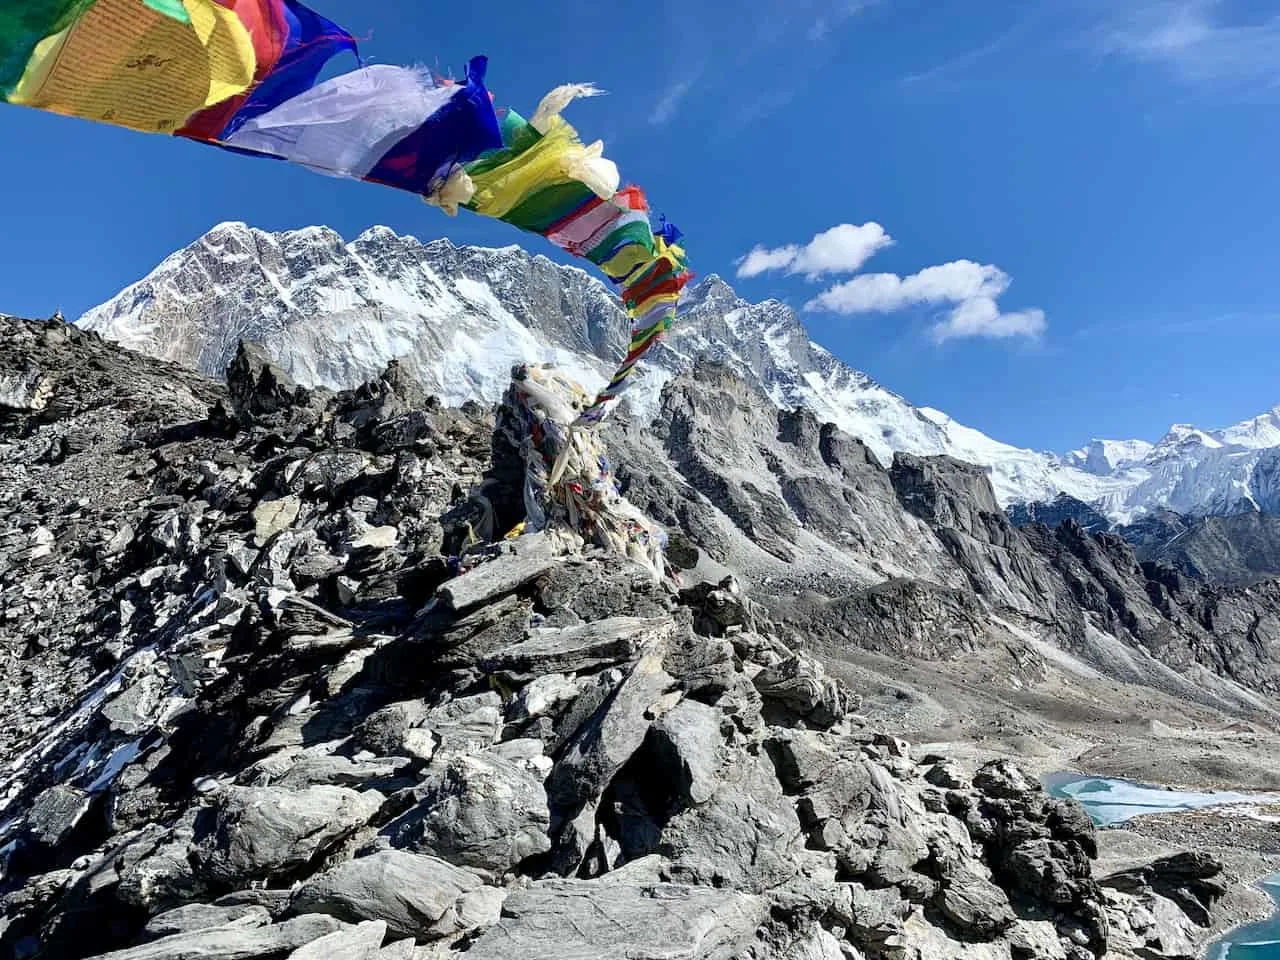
(269,696)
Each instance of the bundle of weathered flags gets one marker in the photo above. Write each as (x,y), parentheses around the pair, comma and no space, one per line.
(245,75)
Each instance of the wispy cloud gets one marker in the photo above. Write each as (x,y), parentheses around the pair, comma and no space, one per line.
(1198,42)
(954,282)
(831,15)
(671,99)
(793,36)
(982,317)
(759,107)
(950,70)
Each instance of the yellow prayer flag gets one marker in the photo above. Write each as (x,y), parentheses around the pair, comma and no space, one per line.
(124,63)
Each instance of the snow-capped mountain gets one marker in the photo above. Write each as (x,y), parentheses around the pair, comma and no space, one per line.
(334,313)
(1104,457)
(1202,472)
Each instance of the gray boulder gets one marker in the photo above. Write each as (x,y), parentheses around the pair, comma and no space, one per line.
(1005,780)
(202,916)
(416,896)
(467,724)
(688,738)
(232,942)
(610,737)
(591,646)
(582,920)
(479,810)
(361,942)
(266,831)
(799,686)
(384,731)
(745,837)
(974,904)
(492,580)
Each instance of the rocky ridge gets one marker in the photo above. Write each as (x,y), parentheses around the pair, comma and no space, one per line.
(334,313)
(919,561)
(316,719)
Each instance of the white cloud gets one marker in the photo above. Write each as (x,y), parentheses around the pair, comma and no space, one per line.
(970,289)
(760,260)
(1193,38)
(973,288)
(981,317)
(954,282)
(842,249)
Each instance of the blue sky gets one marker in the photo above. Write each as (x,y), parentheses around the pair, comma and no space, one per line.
(1053,220)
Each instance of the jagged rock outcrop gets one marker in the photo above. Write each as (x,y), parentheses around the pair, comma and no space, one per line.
(322,730)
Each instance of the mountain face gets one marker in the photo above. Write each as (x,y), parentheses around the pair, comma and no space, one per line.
(333,314)
(1235,550)
(269,699)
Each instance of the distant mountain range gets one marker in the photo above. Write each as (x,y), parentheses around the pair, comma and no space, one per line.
(333,313)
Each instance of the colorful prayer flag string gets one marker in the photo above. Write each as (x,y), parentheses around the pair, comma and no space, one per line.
(244,75)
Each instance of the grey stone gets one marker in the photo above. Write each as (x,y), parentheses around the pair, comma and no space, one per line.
(895,746)
(946,775)
(257,386)
(492,580)
(479,810)
(275,902)
(266,831)
(383,732)
(608,740)
(872,917)
(361,942)
(543,696)
(800,685)
(689,737)
(154,868)
(576,920)
(272,516)
(818,944)
(611,642)
(1005,780)
(326,770)
(201,916)
(1069,820)
(745,837)
(467,724)
(56,812)
(231,943)
(974,904)
(417,896)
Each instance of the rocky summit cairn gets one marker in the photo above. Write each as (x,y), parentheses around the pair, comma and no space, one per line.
(317,717)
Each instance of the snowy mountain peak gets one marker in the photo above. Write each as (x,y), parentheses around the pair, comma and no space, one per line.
(1183,437)
(1258,433)
(333,313)
(1105,457)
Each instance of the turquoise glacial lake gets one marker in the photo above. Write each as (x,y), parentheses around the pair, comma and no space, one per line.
(1110,801)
